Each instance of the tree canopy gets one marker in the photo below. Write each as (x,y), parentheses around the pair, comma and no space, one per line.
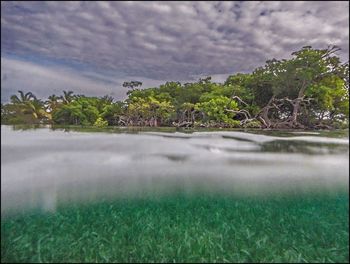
(309,90)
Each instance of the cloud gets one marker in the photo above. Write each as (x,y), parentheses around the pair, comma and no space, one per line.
(47,80)
(171,40)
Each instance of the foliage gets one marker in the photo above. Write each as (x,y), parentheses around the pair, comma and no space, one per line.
(100,123)
(112,112)
(284,85)
(80,111)
(330,96)
(216,109)
(252,124)
(149,109)
(25,109)
(132,85)
(309,89)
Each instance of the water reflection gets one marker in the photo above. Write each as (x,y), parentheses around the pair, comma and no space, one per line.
(300,147)
(43,167)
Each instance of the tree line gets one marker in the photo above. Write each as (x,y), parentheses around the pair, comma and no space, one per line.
(309,90)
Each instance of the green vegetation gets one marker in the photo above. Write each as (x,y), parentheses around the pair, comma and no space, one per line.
(184,229)
(309,90)
(100,123)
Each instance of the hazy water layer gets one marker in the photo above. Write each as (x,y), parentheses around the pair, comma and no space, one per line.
(43,167)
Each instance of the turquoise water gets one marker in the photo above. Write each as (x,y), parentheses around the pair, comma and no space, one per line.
(145,195)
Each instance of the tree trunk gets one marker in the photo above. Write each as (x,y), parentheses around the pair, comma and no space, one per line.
(263,114)
(292,120)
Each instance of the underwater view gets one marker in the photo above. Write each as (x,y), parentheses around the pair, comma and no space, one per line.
(166,195)
(175,131)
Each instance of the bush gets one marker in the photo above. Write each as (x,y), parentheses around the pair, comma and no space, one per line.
(252,124)
(233,123)
(100,122)
(340,124)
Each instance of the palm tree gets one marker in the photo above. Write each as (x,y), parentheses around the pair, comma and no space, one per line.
(67,97)
(107,99)
(24,98)
(52,102)
(37,110)
(29,107)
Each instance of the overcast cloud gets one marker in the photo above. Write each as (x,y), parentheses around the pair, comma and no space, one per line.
(92,47)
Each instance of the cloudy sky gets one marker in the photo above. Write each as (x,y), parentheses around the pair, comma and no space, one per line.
(92,47)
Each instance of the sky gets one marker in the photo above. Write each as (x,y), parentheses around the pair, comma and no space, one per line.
(91,47)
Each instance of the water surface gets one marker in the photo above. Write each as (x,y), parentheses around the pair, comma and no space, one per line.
(43,167)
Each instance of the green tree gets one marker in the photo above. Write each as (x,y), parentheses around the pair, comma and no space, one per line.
(114,112)
(330,102)
(286,83)
(132,85)
(82,111)
(27,109)
(52,103)
(219,110)
(67,97)
(149,111)
(100,123)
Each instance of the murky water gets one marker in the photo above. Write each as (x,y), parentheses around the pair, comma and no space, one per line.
(42,167)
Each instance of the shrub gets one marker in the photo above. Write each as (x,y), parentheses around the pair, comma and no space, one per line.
(252,124)
(100,122)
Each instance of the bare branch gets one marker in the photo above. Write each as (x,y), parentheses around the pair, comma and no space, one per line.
(331,51)
(239,99)
(263,121)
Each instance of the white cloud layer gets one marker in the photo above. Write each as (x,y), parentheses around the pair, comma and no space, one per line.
(171,40)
